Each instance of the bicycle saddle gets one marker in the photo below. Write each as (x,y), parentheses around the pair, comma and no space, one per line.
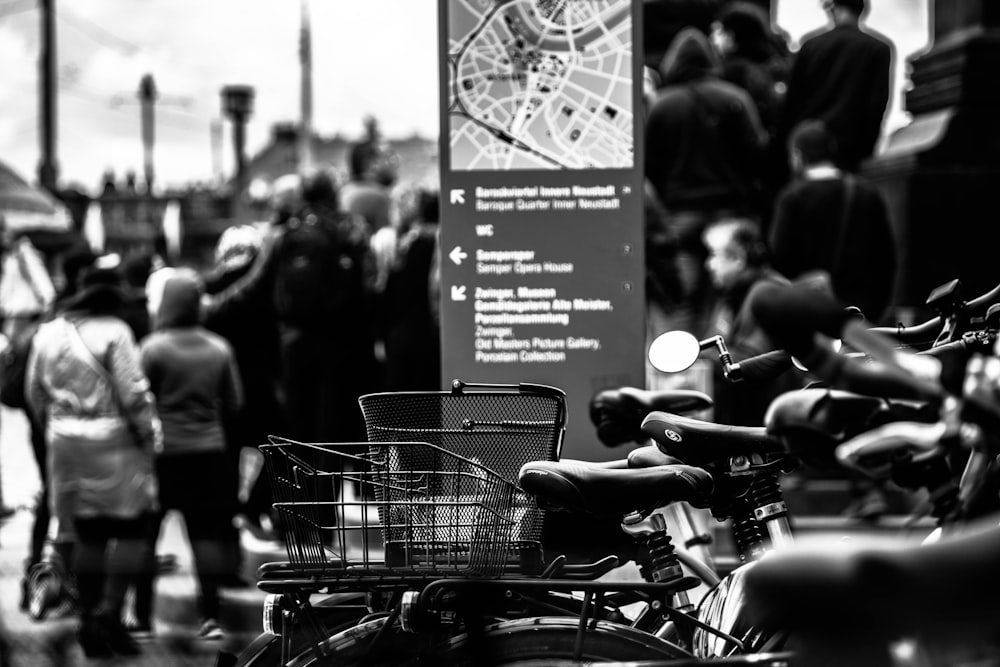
(649,456)
(901,590)
(812,422)
(701,443)
(581,487)
(617,412)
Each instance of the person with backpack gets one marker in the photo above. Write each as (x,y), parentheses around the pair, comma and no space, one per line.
(704,142)
(317,266)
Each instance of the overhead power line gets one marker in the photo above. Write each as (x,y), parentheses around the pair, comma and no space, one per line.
(97,33)
(17,7)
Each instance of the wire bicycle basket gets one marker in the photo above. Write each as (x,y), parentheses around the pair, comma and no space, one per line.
(356,510)
(499,426)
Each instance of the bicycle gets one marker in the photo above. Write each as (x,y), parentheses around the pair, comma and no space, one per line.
(911,591)
(427,415)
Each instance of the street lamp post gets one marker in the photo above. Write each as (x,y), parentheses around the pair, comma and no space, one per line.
(237,105)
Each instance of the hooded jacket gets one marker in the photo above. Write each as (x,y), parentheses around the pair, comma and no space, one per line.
(704,140)
(192,372)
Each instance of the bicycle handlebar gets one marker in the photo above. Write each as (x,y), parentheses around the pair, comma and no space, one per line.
(793,315)
(927,332)
(762,367)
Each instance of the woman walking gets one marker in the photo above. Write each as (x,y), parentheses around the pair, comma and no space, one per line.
(86,389)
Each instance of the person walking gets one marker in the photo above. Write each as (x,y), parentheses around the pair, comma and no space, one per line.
(251,328)
(193,375)
(704,142)
(739,267)
(87,391)
(842,75)
(834,225)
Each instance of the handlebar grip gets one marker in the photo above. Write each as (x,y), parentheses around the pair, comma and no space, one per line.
(871,378)
(919,334)
(765,366)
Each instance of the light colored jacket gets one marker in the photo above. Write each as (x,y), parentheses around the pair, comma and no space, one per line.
(100,446)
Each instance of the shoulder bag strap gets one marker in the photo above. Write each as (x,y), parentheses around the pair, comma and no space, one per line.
(845,222)
(91,360)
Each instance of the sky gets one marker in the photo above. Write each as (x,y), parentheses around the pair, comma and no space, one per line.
(376,57)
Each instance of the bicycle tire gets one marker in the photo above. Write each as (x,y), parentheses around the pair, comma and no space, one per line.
(514,642)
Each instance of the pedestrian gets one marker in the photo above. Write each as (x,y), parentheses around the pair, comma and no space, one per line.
(834,226)
(412,335)
(841,75)
(192,373)
(753,57)
(704,142)
(251,328)
(87,391)
(738,265)
(372,171)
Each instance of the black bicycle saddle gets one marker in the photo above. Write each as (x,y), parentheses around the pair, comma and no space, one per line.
(617,413)
(575,485)
(812,422)
(701,443)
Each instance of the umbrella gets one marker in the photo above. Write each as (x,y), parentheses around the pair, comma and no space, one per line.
(25,208)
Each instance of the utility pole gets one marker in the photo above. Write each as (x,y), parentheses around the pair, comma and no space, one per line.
(237,105)
(48,170)
(148,96)
(305,64)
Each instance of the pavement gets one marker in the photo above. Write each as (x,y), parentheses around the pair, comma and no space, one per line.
(51,641)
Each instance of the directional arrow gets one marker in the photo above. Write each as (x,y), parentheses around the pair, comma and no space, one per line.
(458,196)
(458,292)
(457,255)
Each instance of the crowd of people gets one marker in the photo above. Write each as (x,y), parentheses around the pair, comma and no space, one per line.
(145,385)
(145,382)
(753,154)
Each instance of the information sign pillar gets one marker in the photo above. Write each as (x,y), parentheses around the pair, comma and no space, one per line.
(542,261)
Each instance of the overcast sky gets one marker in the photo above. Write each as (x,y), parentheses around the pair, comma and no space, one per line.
(375,56)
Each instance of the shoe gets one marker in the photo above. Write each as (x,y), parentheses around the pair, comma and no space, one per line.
(117,637)
(210,629)
(139,630)
(92,639)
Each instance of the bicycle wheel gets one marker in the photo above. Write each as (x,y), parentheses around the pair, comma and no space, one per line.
(529,640)
(542,640)
(337,612)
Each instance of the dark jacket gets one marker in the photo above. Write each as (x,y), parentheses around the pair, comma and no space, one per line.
(842,77)
(192,372)
(804,237)
(704,140)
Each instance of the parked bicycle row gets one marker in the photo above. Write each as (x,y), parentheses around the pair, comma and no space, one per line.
(425,544)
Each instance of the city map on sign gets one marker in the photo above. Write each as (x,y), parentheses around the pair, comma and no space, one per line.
(540,84)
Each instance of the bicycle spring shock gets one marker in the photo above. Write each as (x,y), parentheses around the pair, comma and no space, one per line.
(662,564)
(767,498)
(747,534)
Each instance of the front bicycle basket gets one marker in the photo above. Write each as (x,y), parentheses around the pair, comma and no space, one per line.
(354,510)
(500,427)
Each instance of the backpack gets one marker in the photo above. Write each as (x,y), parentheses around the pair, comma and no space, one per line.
(321,267)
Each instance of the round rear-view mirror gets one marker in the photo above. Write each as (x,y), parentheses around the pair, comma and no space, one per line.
(674,351)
